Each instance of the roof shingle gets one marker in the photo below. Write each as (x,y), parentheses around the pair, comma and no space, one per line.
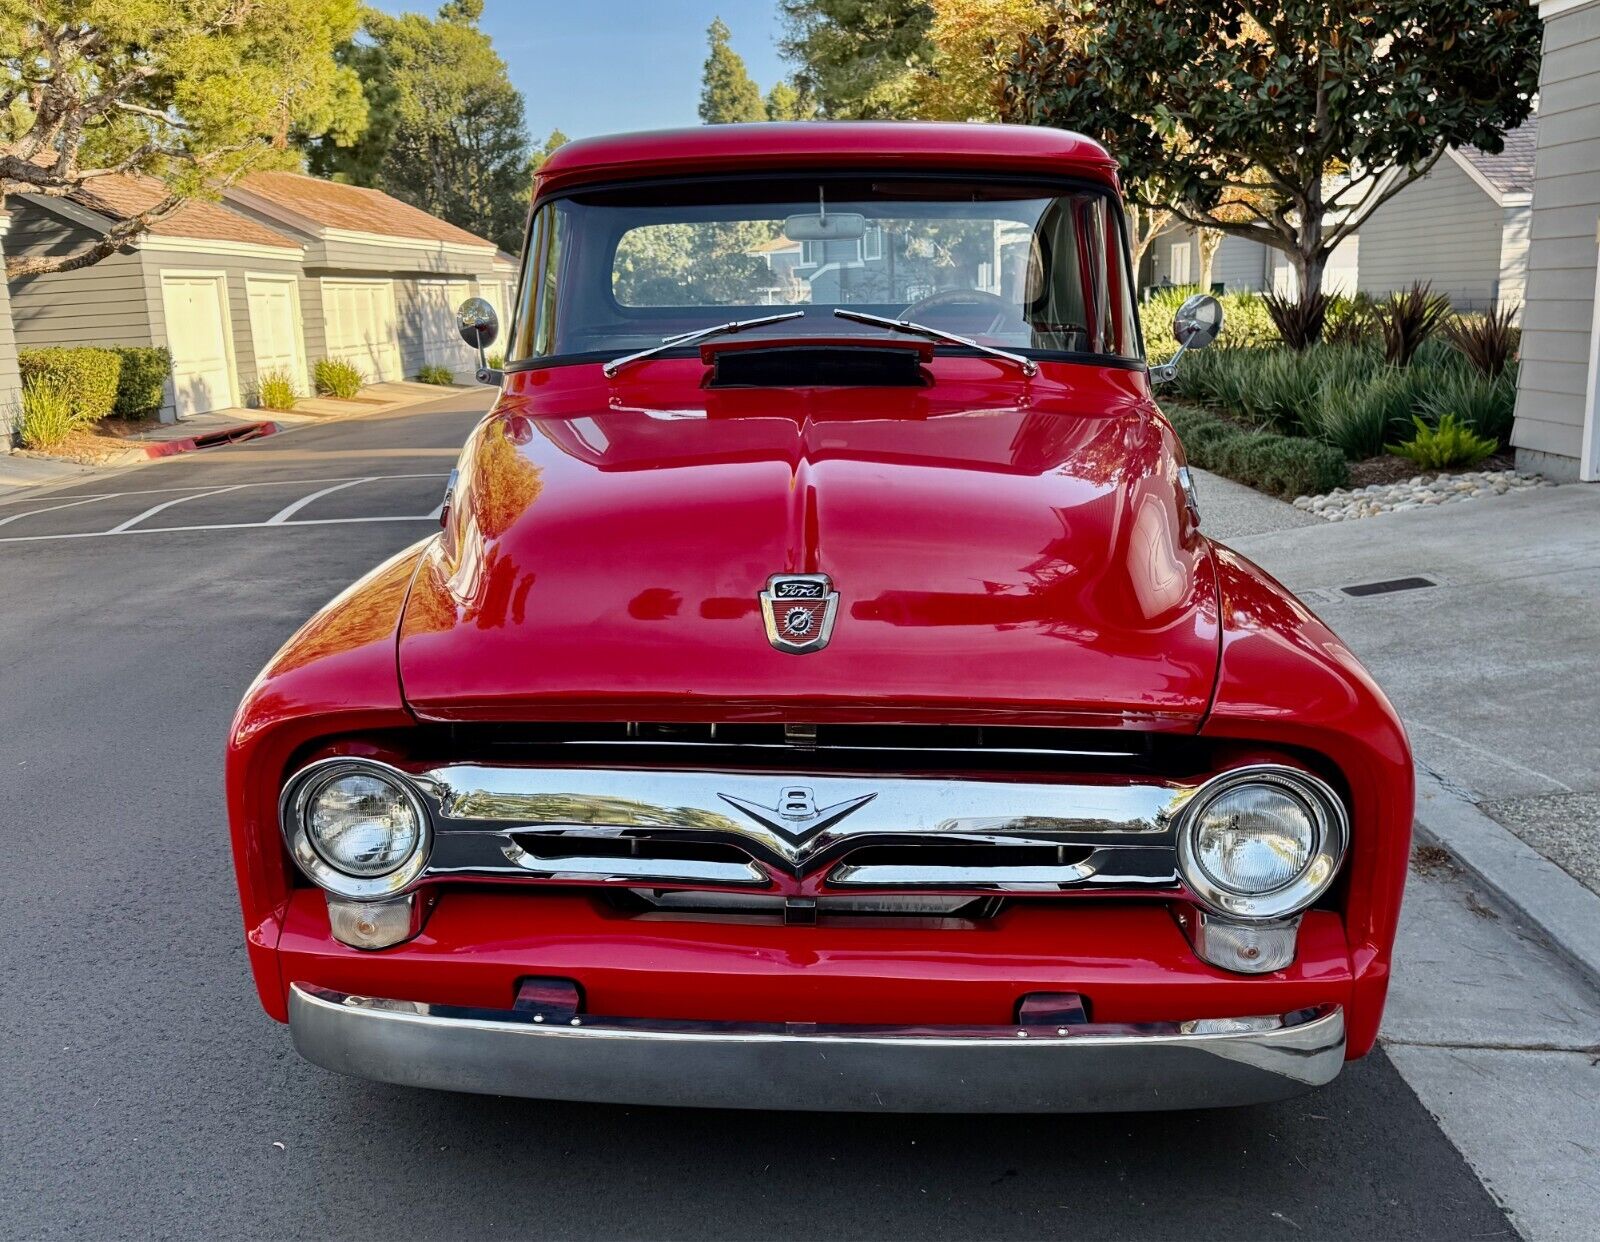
(122,195)
(1511,171)
(334,205)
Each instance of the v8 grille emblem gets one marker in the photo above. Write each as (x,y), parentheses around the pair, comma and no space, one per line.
(797,815)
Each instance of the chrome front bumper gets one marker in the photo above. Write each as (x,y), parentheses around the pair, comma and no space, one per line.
(1010,1069)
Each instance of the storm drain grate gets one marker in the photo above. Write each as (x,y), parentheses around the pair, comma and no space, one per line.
(1388,586)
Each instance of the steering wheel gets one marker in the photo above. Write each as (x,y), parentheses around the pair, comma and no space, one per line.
(1005,314)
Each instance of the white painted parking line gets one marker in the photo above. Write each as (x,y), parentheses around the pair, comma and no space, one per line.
(167,504)
(288,511)
(205,487)
(125,529)
(17,517)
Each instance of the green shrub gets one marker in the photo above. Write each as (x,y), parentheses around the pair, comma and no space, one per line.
(497,360)
(1285,466)
(436,375)
(1358,415)
(45,416)
(337,378)
(1245,322)
(1485,406)
(141,382)
(1351,320)
(276,391)
(86,377)
(1451,443)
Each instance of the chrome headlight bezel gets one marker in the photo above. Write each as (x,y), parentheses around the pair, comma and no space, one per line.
(1330,824)
(293,808)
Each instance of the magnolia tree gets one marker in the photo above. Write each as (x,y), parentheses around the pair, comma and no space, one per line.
(196,92)
(1288,122)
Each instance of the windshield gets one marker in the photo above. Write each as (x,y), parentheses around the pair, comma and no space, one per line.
(1034,268)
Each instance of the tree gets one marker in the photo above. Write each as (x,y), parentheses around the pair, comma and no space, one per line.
(195,92)
(727,92)
(545,150)
(860,58)
(447,132)
(971,41)
(788,102)
(1288,122)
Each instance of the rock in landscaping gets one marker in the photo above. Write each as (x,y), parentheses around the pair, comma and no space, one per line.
(1415,493)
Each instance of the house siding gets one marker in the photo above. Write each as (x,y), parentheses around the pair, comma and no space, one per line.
(1443,230)
(100,305)
(1559,315)
(10,381)
(1240,264)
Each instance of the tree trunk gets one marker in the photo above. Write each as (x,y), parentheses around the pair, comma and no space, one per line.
(1207,242)
(1308,309)
(1143,225)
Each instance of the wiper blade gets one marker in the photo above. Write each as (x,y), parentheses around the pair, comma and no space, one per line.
(1028,365)
(699,334)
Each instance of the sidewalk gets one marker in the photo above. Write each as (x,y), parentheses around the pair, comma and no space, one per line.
(18,470)
(1495,669)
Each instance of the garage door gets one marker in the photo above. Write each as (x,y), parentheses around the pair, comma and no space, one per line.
(275,328)
(494,292)
(202,372)
(361,326)
(442,346)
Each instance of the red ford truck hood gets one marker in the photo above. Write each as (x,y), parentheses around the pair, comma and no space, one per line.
(994,553)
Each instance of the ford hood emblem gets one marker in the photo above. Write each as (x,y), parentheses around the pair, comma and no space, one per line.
(798,610)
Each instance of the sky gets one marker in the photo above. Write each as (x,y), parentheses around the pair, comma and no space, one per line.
(600,66)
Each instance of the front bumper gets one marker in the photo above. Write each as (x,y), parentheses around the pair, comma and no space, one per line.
(997,1069)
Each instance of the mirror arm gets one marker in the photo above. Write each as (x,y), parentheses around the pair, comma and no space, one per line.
(1166,372)
(486,373)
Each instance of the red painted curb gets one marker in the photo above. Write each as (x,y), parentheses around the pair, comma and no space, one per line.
(227,435)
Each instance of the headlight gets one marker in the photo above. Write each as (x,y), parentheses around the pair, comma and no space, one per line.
(356,827)
(1262,842)
(362,824)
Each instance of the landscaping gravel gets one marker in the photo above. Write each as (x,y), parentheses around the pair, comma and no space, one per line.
(1343,504)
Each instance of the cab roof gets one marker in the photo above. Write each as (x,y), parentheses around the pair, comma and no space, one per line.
(827,145)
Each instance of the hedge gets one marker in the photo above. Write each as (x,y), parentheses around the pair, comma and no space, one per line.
(88,377)
(1286,466)
(142,381)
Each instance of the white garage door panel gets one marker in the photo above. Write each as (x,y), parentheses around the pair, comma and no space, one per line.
(361,326)
(494,292)
(437,301)
(275,329)
(202,371)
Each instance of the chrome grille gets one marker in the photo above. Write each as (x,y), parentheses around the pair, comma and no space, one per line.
(749,828)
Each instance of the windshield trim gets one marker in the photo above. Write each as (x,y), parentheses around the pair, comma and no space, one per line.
(844,169)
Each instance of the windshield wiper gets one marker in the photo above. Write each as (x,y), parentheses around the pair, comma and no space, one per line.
(699,334)
(1028,365)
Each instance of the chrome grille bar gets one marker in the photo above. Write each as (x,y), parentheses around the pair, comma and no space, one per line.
(500,820)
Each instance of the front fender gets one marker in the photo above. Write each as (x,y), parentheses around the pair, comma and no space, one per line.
(336,675)
(1286,678)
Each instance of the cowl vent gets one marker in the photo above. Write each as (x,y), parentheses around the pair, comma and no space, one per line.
(818,366)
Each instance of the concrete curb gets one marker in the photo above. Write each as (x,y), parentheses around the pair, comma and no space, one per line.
(236,434)
(1526,881)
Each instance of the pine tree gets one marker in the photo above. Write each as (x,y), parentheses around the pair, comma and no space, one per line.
(727,93)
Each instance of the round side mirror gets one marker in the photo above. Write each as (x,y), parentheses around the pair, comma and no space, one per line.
(1198,321)
(479,325)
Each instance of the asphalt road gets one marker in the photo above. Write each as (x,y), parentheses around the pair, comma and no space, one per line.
(144,1092)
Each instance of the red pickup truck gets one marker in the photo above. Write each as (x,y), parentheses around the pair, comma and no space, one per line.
(821,693)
